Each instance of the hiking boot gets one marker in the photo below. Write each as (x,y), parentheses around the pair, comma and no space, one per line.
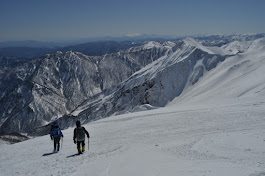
(79,150)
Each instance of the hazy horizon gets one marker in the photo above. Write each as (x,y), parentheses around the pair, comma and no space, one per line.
(120,38)
(65,20)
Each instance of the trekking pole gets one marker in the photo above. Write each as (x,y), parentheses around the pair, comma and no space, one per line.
(51,141)
(87,144)
(62,143)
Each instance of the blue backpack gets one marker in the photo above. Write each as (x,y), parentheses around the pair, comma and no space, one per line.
(56,132)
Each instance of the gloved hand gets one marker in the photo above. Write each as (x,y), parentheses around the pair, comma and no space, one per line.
(75,141)
(51,138)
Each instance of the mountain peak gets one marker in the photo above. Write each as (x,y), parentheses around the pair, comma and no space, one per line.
(193,43)
(152,44)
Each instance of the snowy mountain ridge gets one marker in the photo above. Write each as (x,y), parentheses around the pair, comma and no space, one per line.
(166,78)
(42,90)
(69,86)
(158,83)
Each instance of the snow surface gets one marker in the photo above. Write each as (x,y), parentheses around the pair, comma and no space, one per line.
(214,128)
(2,142)
(190,140)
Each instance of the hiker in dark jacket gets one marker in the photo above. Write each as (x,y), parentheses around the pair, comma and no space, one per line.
(79,136)
(56,135)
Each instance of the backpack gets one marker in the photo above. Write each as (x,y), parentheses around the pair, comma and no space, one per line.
(80,134)
(56,132)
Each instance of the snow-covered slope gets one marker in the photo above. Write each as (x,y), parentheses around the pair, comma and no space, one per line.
(234,80)
(187,141)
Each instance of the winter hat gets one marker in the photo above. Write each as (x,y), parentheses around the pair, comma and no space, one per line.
(55,123)
(78,124)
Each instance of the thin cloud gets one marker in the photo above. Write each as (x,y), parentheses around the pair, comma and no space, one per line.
(133,35)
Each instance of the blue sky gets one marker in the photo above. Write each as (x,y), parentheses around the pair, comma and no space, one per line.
(53,20)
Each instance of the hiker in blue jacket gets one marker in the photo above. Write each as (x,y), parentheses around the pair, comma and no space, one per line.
(56,135)
(79,136)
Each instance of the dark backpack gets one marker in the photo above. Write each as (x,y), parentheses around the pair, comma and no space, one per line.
(80,134)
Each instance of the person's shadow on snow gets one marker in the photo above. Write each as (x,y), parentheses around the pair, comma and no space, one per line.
(70,156)
(47,154)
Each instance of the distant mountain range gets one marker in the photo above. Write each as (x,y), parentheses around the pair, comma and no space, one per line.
(91,48)
(61,44)
(103,45)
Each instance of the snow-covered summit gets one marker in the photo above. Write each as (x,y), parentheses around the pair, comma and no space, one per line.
(257,44)
(152,44)
(169,44)
(237,46)
(192,42)
(241,46)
